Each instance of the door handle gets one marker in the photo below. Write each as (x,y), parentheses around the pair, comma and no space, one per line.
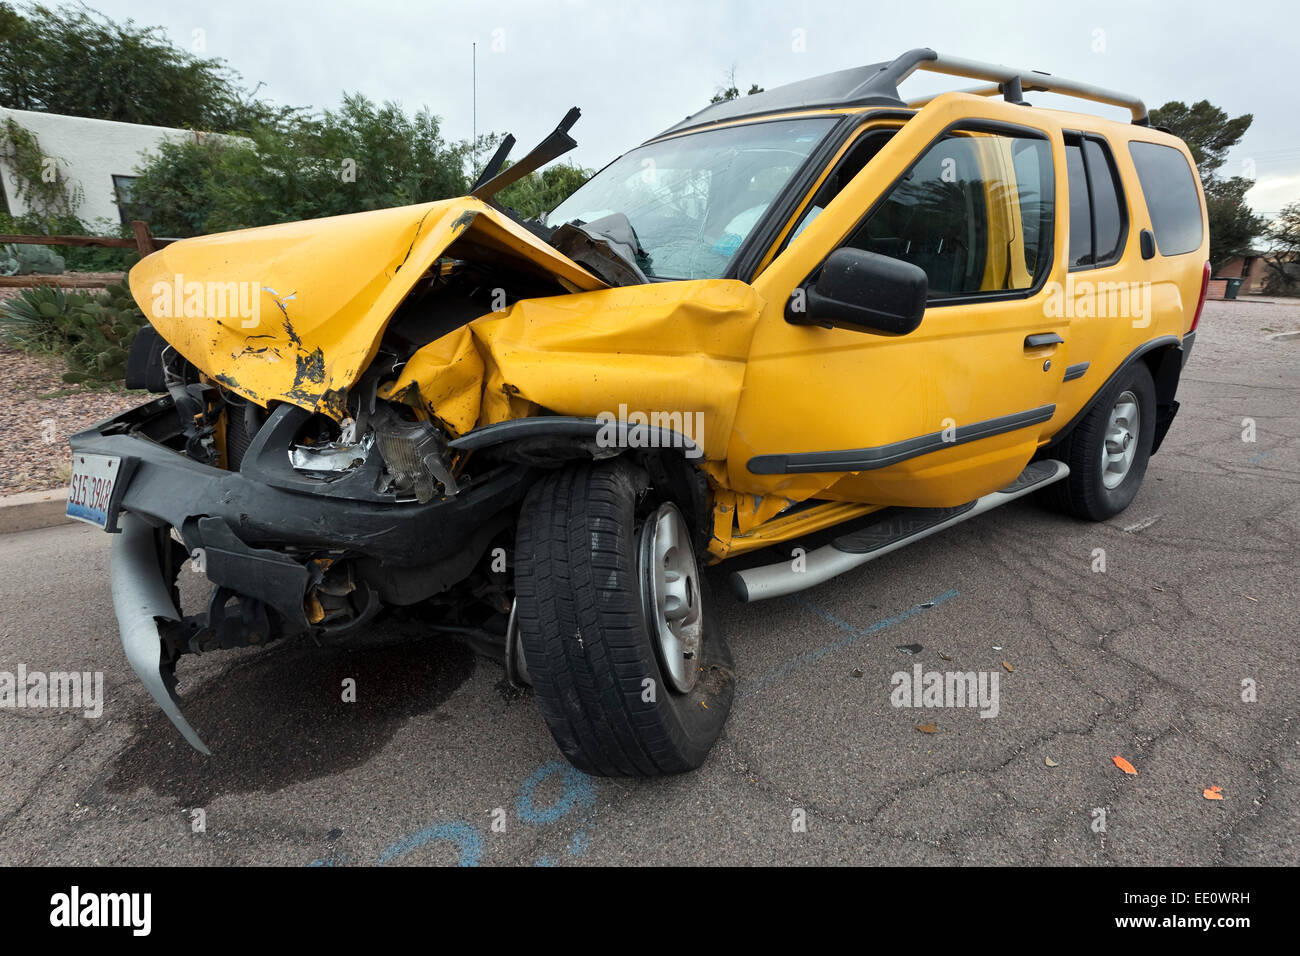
(1041,339)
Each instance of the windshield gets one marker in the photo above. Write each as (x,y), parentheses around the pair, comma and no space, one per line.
(693,199)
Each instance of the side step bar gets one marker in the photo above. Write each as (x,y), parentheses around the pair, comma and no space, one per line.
(898,527)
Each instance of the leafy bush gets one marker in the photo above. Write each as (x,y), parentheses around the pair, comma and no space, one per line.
(357,157)
(92,332)
(99,334)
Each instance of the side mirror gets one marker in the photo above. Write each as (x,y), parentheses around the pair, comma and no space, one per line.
(864,292)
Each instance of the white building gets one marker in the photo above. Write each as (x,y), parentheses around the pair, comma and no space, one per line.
(100,156)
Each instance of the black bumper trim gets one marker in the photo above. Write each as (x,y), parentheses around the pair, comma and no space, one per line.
(169,488)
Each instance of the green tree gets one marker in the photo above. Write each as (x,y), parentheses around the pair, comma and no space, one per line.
(357,157)
(1283,259)
(540,192)
(1207,130)
(74,61)
(1234,228)
(729,90)
(1210,133)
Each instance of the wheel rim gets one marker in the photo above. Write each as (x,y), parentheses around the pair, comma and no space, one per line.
(673,603)
(1120,445)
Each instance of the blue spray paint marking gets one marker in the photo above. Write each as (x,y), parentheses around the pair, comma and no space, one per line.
(855,634)
(579,791)
(579,794)
(464,836)
(578,845)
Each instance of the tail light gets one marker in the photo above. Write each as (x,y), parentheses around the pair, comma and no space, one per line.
(1200,303)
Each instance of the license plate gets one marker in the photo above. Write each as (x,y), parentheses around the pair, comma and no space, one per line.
(91,489)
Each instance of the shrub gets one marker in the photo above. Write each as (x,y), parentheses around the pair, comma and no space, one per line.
(31,321)
(93,333)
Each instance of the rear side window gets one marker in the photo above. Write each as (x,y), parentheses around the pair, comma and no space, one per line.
(1080,213)
(1107,210)
(1170,192)
(1098,224)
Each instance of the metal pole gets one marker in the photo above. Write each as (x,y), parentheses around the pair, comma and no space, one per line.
(473,143)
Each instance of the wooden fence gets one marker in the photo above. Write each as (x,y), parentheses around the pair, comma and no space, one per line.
(143,240)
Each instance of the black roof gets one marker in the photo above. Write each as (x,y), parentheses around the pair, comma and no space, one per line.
(877,85)
(873,85)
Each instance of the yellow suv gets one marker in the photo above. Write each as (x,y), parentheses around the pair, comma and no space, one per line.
(820,308)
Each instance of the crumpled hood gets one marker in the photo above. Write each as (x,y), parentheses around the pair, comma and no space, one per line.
(295,312)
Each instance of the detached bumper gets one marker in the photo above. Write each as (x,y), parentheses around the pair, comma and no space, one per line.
(258,529)
(141,598)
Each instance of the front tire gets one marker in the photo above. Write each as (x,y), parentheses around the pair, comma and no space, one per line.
(1108,450)
(631,671)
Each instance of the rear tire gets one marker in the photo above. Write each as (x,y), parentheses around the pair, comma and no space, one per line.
(1108,450)
(594,656)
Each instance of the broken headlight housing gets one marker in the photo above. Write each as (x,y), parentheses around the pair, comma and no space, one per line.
(418,464)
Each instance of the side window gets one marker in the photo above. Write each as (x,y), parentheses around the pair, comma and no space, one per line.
(1171,196)
(861,153)
(975,212)
(1080,207)
(1108,216)
(1035,215)
(1098,224)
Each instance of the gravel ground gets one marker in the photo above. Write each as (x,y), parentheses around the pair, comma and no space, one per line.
(40,411)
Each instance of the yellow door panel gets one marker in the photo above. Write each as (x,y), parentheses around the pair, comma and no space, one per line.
(966,371)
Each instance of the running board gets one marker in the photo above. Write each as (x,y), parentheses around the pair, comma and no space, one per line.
(898,527)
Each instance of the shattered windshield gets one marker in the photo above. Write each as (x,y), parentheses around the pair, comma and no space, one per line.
(693,199)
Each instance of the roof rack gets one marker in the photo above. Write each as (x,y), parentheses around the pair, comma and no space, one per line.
(1014,83)
(877,85)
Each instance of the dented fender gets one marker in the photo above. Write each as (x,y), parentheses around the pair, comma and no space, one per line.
(661,348)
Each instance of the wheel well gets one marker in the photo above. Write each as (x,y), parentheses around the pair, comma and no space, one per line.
(1164,360)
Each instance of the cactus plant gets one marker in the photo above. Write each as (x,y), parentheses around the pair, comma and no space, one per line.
(31,321)
(93,333)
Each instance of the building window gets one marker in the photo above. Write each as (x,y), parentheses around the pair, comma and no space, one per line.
(122,186)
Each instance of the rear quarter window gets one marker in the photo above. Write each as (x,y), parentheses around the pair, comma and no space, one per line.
(1171,197)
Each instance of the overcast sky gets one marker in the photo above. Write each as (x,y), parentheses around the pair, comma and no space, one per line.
(635,68)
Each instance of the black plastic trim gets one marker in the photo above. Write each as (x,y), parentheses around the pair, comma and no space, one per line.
(1075,371)
(169,488)
(566,426)
(881,456)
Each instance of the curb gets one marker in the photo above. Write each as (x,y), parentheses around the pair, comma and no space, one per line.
(32,510)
